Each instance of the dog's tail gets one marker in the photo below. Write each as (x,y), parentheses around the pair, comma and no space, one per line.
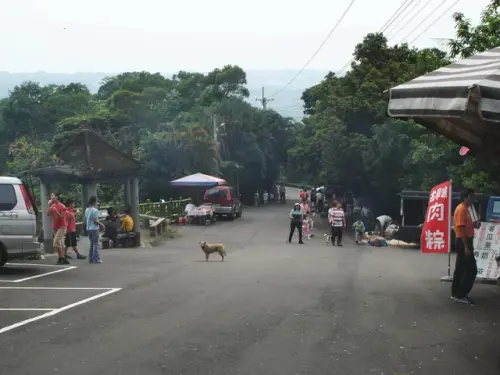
(222,249)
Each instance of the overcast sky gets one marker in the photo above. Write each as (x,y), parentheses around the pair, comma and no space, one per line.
(167,36)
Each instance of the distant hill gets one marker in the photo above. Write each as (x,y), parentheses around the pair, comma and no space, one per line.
(287,102)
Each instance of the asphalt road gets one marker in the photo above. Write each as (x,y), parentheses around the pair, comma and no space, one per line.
(270,308)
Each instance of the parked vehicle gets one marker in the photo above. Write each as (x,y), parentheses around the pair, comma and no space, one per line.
(18,221)
(225,200)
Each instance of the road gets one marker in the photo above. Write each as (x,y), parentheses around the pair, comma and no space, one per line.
(270,308)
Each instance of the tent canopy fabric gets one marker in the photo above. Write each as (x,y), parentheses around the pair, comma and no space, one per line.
(448,91)
(460,101)
(198,179)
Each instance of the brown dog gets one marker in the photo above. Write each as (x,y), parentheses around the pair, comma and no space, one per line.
(213,248)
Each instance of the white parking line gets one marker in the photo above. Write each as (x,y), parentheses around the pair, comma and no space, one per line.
(13,309)
(66,268)
(35,264)
(49,288)
(59,310)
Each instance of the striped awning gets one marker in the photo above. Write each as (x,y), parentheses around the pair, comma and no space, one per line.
(446,92)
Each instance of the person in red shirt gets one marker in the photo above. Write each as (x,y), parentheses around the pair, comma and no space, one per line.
(70,240)
(57,211)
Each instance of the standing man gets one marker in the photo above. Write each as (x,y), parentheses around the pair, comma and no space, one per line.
(320,201)
(282,193)
(71,240)
(465,266)
(93,224)
(338,222)
(313,196)
(57,212)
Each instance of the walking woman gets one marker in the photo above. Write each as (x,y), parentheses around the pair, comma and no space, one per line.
(296,217)
(93,224)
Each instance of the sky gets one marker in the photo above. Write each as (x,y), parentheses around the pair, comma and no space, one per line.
(67,36)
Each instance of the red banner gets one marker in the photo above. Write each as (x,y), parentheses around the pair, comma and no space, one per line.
(435,237)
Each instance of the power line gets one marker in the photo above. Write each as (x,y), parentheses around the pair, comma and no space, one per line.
(384,27)
(396,15)
(317,51)
(421,22)
(404,18)
(416,14)
(436,20)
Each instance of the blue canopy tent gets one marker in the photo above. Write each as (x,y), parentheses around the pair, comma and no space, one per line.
(198,179)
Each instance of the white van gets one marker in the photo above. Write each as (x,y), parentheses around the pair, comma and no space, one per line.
(18,221)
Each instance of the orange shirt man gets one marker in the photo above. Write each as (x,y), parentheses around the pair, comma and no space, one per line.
(465,266)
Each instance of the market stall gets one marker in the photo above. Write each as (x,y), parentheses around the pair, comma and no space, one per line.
(201,215)
(462,102)
(198,180)
(196,185)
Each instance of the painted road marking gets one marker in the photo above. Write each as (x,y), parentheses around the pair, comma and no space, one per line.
(49,288)
(59,310)
(61,269)
(14,309)
(35,264)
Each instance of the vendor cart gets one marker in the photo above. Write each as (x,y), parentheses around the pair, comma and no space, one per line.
(202,215)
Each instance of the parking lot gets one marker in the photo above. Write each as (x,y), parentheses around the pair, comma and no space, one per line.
(269,307)
(23,299)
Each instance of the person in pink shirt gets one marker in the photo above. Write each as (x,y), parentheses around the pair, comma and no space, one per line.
(305,206)
(70,240)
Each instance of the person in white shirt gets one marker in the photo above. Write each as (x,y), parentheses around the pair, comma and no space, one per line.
(265,196)
(319,201)
(256,198)
(337,220)
(282,192)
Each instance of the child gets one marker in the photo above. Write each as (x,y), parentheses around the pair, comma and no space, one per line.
(359,230)
(265,196)
(307,226)
(70,240)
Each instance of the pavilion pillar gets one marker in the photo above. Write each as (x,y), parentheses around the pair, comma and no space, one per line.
(85,197)
(134,206)
(91,189)
(85,203)
(46,220)
(127,193)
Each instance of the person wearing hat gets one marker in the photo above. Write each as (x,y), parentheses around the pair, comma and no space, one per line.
(296,217)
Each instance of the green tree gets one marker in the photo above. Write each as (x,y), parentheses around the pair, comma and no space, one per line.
(473,39)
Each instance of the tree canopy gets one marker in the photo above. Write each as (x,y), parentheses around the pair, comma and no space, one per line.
(167,123)
(347,139)
(171,125)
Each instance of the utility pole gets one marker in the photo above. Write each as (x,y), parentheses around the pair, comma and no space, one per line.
(216,140)
(265,101)
(216,127)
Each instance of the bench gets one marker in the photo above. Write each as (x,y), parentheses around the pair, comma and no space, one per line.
(158,228)
(130,239)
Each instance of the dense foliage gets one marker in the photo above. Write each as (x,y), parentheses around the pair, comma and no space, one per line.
(346,138)
(168,124)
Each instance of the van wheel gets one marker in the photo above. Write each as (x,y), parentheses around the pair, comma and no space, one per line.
(3,255)
(232,216)
(239,213)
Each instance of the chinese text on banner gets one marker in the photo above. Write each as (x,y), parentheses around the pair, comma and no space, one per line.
(435,237)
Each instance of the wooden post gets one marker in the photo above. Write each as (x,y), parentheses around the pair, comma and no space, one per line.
(134,206)
(46,221)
